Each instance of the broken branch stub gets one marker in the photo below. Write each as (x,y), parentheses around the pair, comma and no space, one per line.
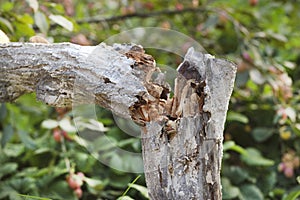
(64,74)
(182,151)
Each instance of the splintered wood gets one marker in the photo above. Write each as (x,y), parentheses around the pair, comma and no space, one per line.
(155,105)
(182,143)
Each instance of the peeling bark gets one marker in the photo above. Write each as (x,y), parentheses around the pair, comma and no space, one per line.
(181,136)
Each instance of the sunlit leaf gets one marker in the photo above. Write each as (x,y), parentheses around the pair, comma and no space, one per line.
(291,113)
(94,183)
(66,125)
(26,19)
(7,23)
(33,4)
(7,6)
(257,77)
(293,195)
(49,124)
(125,198)
(235,116)
(41,22)
(143,190)
(278,36)
(62,21)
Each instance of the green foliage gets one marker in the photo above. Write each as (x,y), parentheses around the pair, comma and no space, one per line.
(262,144)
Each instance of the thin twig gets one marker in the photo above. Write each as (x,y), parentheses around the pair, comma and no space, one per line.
(140,15)
(95,20)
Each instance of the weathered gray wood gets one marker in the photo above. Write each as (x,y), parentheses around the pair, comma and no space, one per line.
(59,73)
(181,136)
(185,163)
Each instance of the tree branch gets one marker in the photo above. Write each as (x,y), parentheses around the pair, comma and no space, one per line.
(64,73)
(141,15)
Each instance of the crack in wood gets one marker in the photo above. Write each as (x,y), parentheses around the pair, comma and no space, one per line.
(156,105)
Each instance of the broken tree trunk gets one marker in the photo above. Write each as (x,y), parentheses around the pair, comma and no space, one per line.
(181,136)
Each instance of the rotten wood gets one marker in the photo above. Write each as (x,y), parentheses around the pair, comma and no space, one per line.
(182,154)
(181,136)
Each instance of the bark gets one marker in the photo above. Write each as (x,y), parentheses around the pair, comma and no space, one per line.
(62,74)
(184,162)
(182,135)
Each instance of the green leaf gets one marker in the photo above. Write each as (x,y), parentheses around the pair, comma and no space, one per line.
(7,169)
(95,184)
(60,190)
(291,113)
(90,124)
(230,145)
(143,190)
(261,134)
(250,192)
(5,190)
(14,150)
(26,19)
(7,6)
(257,77)
(49,124)
(26,139)
(8,132)
(211,22)
(120,181)
(65,124)
(23,30)
(125,198)
(228,190)
(33,4)
(252,157)
(235,116)
(7,24)
(116,162)
(236,174)
(267,182)
(293,195)
(33,197)
(62,21)
(278,36)
(3,111)
(41,22)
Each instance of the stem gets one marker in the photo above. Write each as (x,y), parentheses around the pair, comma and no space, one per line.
(129,186)
(64,150)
